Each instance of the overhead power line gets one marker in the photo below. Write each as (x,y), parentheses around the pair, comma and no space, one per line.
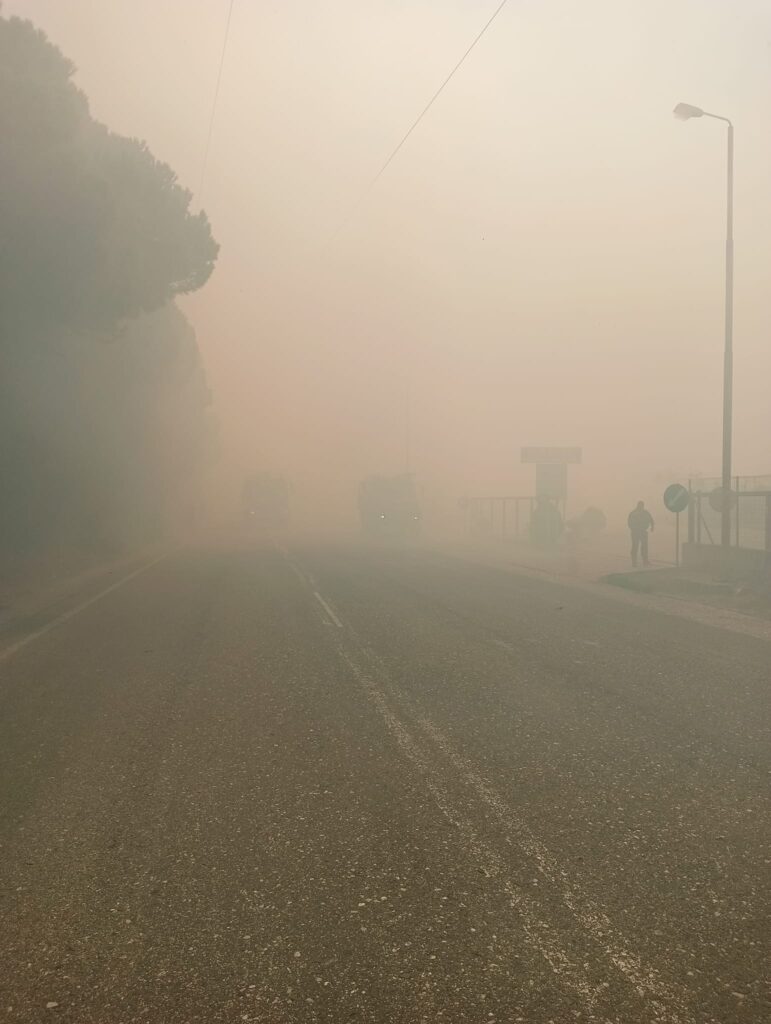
(437,94)
(419,118)
(207,148)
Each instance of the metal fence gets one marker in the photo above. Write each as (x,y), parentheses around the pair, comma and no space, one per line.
(750,515)
(510,516)
(507,516)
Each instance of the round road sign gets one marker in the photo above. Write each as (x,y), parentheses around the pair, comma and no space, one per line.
(720,499)
(676,498)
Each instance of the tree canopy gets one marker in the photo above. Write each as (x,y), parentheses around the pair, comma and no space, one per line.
(93,228)
(102,445)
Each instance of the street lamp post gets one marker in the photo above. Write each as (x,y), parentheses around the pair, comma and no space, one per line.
(684,111)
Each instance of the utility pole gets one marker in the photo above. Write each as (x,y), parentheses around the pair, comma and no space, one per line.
(407,428)
(685,111)
(728,352)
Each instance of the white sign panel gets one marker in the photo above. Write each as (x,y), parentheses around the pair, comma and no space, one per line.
(555,456)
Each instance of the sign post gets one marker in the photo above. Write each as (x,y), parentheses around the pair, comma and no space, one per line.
(677,539)
(676,498)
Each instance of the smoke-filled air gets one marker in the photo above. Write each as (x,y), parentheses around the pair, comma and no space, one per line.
(385,510)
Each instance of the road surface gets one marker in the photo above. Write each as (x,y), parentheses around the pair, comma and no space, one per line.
(337,783)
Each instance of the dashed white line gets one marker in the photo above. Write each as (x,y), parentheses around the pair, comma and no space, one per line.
(666,1002)
(539,934)
(587,914)
(299,574)
(310,583)
(327,609)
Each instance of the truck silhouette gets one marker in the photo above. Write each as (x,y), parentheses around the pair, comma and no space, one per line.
(265,500)
(388,506)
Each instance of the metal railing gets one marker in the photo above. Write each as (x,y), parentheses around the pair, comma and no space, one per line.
(506,516)
(750,514)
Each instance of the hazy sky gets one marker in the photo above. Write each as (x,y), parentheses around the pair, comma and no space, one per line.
(542,263)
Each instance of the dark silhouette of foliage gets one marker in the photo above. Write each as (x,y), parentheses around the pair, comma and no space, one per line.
(93,229)
(104,419)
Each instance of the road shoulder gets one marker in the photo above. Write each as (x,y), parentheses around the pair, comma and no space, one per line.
(679,607)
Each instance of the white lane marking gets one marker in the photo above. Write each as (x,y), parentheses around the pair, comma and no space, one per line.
(308,581)
(299,574)
(538,933)
(7,652)
(327,609)
(593,920)
(668,1004)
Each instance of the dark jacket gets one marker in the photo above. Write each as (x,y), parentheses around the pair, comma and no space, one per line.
(640,520)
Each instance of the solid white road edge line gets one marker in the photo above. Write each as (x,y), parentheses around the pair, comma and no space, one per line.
(8,652)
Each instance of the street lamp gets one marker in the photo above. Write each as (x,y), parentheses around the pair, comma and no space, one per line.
(684,112)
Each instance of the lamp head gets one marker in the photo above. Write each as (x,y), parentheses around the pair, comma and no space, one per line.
(684,112)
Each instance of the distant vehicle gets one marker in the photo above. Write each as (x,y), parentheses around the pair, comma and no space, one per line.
(265,500)
(388,506)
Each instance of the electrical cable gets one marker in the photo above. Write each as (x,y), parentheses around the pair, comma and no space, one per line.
(417,121)
(207,148)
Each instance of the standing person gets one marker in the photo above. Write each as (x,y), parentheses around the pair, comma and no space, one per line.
(640,521)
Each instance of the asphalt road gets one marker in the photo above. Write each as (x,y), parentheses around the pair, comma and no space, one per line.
(332,783)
